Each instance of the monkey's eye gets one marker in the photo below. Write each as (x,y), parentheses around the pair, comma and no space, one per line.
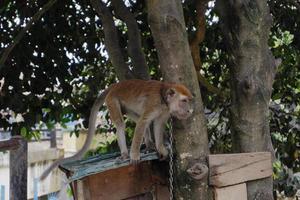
(184,100)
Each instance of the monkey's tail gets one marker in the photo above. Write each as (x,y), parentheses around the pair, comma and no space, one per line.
(91,132)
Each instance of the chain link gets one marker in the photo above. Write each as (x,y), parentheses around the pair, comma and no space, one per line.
(171,164)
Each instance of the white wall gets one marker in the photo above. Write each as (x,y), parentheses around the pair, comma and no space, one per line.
(39,158)
(4,172)
(37,163)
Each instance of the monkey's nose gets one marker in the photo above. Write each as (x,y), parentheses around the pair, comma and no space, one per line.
(191,111)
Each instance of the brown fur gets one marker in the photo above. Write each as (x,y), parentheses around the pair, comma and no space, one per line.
(147,101)
(183,90)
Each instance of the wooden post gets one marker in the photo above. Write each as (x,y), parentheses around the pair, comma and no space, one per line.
(235,192)
(228,173)
(18,171)
(53,138)
(12,143)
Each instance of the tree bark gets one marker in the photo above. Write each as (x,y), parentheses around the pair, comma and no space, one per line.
(111,40)
(18,171)
(190,137)
(140,68)
(246,26)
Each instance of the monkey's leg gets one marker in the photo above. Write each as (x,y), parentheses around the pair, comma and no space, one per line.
(159,124)
(139,132)
(147,137)
(148,140)
(118,120)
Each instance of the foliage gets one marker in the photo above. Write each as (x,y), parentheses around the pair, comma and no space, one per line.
(285,179)
(215,69)
(50,76)
(110,144)
(285,105)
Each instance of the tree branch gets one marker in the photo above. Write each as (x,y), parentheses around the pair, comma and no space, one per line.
(140,68)
(195,48)
(111,40)
(211,88)
(200,33)
(20,35)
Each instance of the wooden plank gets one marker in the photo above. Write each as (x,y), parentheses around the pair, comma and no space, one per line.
(120,183)
(231,169)
(162,192)
(80,193)
(234,192)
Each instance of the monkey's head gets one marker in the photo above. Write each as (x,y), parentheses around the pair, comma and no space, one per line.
(179,99)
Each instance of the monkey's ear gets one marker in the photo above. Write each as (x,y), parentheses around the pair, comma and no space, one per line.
(167,94)
(170,93)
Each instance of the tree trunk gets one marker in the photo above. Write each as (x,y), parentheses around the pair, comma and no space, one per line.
(191,144)
(246,26)
(135,51)
(139,69)
(18,171)
(111,40)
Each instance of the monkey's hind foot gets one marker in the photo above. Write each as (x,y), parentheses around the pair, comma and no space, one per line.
(135,158)
(135,162)
(121,158)
(163,153)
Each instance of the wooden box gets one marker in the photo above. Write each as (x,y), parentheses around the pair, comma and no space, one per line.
(100,178)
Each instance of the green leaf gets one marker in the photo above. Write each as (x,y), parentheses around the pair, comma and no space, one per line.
(24,132)
(36,135)
(277,96)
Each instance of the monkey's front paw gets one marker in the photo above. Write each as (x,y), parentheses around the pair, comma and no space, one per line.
(135,158)
(163,153)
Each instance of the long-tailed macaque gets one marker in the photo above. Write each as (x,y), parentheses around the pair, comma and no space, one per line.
(144,102)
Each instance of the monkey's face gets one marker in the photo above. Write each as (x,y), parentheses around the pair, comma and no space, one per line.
(180,105)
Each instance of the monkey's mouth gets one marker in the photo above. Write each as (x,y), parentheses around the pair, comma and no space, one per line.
(181,116)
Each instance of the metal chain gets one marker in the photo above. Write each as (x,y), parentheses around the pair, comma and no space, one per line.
(171,164)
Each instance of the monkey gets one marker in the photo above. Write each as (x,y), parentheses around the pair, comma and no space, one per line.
(145,102)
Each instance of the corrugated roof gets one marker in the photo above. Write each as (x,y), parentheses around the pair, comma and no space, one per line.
(97,164)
